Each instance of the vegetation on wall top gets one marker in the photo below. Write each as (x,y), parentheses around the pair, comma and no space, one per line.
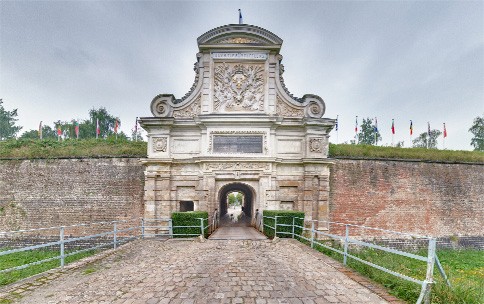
(419,154)
(71,148)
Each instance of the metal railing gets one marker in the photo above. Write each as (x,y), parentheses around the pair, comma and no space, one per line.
(106,235)
(313,236)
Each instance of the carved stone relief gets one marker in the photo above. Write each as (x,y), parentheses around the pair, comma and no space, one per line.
(238,40)
(188,112)
(283,109)
(237,166)
(238,87)
(160,144)
(316,145)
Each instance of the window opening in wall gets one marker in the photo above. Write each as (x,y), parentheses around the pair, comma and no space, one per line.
(186,206)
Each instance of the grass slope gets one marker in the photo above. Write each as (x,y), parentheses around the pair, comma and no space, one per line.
(364,151)
(71,148)
(465,269)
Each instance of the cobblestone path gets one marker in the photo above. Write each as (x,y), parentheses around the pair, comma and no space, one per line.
(151,271)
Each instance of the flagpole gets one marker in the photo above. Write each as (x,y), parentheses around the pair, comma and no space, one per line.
(337,129)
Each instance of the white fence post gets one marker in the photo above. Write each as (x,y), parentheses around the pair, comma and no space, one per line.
(142,228)
(275,226)
(201,227)
(347,234)
(312,234)
(62,258)
(114,235)
(429,278)
(170,227)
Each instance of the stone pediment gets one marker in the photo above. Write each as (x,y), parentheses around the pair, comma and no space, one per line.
(238,71)
(239,34)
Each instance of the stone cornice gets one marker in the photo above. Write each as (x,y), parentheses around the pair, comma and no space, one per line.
(260,35)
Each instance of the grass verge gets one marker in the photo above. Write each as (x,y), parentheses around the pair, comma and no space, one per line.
(29,148)
(26,257)
(465,269)
(365,151)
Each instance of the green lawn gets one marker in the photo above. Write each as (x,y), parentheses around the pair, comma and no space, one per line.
(465,269)
(30,148)
(364,151)
(25,257)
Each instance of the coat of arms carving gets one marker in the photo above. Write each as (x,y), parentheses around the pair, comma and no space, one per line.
(238,87)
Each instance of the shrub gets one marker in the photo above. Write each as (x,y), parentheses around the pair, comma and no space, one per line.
(284,217)
(191,218)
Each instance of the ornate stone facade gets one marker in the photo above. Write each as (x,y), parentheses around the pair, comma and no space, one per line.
(237,129)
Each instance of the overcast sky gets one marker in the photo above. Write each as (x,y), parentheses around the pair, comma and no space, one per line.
(407,60)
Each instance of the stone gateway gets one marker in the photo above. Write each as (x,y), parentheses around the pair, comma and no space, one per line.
(237,129)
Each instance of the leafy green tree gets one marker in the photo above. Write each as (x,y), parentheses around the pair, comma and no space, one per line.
(235,198)
(87,128)
(426,141)
(366,136)
(47,132)
(477,129)
(8,129)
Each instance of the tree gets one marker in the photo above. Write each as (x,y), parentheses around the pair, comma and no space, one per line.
(426,141)
(47,132)
(366,136)
(478,130)
(8,129)
(106,123)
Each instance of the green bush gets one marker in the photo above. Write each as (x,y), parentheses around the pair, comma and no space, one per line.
(284,217)
(191,218)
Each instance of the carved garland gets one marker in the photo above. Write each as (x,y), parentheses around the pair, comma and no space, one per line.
(283,109)
(189,112)
(212,133)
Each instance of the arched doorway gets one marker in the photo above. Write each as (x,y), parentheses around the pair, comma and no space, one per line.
(246,200)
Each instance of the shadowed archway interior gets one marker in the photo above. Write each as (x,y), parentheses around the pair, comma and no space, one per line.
(246,190)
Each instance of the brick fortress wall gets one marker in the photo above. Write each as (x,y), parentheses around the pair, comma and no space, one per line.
(445,200)
(439,199)
(45,193)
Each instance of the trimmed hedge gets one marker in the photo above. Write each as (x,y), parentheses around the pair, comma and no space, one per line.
(284,217)
(191,218)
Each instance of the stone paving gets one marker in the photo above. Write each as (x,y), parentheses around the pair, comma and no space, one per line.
(173,271)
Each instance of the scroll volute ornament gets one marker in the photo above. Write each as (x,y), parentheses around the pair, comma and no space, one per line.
(161,105)
(315,107)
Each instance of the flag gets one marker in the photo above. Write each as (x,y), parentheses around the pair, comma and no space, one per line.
(375,127)
(356,125)
(428,127)
(393,126)
(445,131)
(116,127)
(59,130)
(98,130)
(136,126)
(411,127)
(76,129)
(336,126)
(40,130)
(240,17)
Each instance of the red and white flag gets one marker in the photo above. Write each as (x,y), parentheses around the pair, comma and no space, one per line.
(116,125)
(98,130)
(445,131)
